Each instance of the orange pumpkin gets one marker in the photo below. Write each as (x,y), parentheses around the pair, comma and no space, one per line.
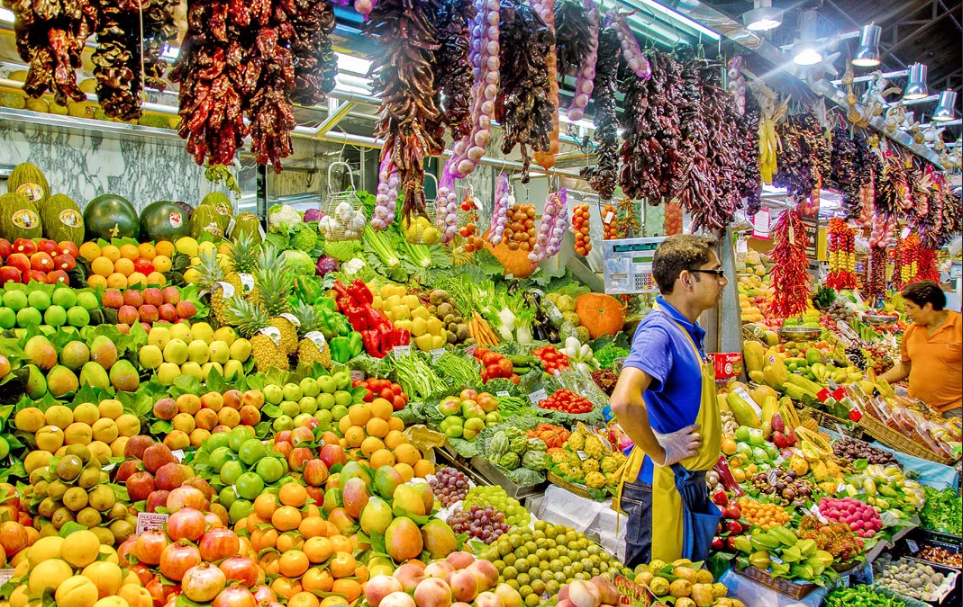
(600,314)
(516,262)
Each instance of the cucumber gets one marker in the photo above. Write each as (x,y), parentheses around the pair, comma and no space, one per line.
(522,360)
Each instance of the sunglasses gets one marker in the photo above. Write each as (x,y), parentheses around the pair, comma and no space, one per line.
(719,273)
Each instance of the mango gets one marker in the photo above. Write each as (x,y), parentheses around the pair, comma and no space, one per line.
(94,375)
(41,352)
(355,496)
(386,481)
(36,382)
(354,470)
(409,500)
(124,377)
(75,355)
(103,352)
(61,381)
(376,516)
(403,539)
(438,538)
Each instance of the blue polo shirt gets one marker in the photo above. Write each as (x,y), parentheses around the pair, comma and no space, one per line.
(661,349)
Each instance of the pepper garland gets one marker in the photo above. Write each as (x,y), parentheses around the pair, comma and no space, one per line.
(790,275)
(842,255)
(927,265)
(909,252)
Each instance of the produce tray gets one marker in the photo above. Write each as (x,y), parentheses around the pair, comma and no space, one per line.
(895,440)
(495,476)
(950,586)
(831,422)
(926,535)
(952,548)
(782,586)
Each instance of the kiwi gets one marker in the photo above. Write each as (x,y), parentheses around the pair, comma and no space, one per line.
(61,517)
(104,535)
(40,488)
(89,517)
(89,478)
(56,490)
(121,529)
(101,498)
(48,506)
(80,451)
(117,511)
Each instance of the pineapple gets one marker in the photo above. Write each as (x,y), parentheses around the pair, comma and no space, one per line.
(211,273)
(245,252)
(308,351)
(250,318)
(274,292)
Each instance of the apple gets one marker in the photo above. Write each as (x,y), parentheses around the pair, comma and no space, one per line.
(8,273)
(19,261)
(25,246)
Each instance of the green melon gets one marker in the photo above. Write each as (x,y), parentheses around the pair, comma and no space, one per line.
(110,216)
(28,180)
(19,217)
(247,223)
(163,220)
(204,221)
(62,220)
(222,204)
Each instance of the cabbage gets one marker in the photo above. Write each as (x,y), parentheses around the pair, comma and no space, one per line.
(299,262)
(312,215)
(325,264)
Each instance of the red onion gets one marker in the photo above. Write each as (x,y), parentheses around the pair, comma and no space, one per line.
(585,82)
(630,46)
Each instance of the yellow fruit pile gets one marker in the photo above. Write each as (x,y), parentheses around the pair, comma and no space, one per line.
(118,267)
(689,587)
(762,515)
(193,249)
(194,350)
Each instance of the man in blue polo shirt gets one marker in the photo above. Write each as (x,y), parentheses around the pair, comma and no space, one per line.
(665,401)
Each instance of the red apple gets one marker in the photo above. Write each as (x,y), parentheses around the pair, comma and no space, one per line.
(112,298)
(25,246)
(125,329)
(8,273)
(153,296)
(6,249)
(47,246)
(128,315)
(139,486)
(167,312)
(148,313)
(133,297)
(41,261)
(57,276)
(186,309)
(19,261)
(67,247)
(171,295)
(65,262)
(37,275)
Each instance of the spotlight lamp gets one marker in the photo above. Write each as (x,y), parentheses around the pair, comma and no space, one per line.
(867,55)
(763,17)
(916,89)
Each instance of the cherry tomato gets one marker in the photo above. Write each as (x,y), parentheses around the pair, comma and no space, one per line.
(143,266)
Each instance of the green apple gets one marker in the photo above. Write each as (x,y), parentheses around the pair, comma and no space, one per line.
(343,398)
(308,404)
(273,394)
(292,392)
(310,386)
(290,408)
(338,411)
(325,400)
(282,423)
(328,384)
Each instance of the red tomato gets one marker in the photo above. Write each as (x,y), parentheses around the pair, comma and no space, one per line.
(484,374)
(143,266)
(368,396)
(386,393)
(494,371)
(396,389)
(398,403)
(506,367)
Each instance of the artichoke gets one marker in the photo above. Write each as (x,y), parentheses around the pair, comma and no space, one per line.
(535,460)
(536,444)
(519,445)
(498,446)
(509,460)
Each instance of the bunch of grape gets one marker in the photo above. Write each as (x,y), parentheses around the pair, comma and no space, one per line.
(485,524)
(449,486)
(515,513)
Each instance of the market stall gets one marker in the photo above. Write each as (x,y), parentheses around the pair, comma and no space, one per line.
(315,305)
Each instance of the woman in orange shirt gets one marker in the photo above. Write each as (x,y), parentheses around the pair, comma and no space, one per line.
(932,350)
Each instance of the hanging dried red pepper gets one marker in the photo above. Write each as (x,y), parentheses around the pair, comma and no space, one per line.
(790,274)
(841,241)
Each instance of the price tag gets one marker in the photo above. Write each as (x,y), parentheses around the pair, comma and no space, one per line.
(357,375)
(746,397)
(247,282)
(149,521)
(501,393)
(227,290)
(179,454)
(792,235)
(6,575)
(291,318)
(470,350)
(609,217)
(400,351)
(772,476)
(273,333)
(318,338)
(436,354)
(537,397)
(912,546)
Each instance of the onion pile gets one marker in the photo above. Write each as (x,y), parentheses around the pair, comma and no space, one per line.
(503,200)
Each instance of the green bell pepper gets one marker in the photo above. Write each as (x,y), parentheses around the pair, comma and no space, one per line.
(334,322)
(357,343)
(340,349)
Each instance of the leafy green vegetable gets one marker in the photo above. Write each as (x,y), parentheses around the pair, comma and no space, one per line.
(943,511)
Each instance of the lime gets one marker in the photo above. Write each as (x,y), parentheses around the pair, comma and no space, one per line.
(16,300)
(290,408)
(231,471)
(87,301)
(39,300)
(4,448)
(249,485)
(64,297)
(78,317)
(270,469)
(338,411)
(8,318)
(342,398)
(29,317)
(219,457)
(227,496)
(251,451)
(55,316)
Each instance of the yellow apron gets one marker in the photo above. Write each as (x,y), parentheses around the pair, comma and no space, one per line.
(667,540)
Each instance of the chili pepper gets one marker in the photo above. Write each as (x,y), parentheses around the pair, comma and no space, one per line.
(790,275)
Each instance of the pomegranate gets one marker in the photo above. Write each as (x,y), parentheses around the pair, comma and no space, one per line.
(219,544)
(203,582)
(240,569)
(149,547)
(264,593)
(235,596)
(177,558)
(188,523)
(213,520)
(144,574)
(126,548)
(187,497)
(159,592)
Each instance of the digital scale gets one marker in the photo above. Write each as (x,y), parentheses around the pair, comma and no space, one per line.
(628,265)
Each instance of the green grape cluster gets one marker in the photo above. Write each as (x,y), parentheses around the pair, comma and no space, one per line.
(515,513)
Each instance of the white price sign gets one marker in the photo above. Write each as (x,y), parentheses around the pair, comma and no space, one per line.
(400,351)
(537,397)
(149,521)
(436,354)
(502,393)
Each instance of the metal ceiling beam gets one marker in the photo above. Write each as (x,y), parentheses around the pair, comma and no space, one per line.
(923,28)
(334,117)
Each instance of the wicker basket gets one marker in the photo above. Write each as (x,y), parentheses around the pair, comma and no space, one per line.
(780,585)
(631,594)
(569,486)
(341,210)
(831,422)
(896,440)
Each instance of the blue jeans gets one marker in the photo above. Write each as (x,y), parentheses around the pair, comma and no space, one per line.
(636,503)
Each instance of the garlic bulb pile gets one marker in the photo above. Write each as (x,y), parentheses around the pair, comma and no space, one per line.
(387,198)
(446,211)
(345,224)
(630,46)
(585,82)
(552,227)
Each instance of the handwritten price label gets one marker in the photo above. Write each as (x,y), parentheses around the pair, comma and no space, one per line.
(537,397)
(502,393)
(400,351)
(436,354)
(149,521)
(357,375)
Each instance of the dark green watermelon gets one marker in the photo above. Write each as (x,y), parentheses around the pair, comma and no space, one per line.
(164,220)
(110,216)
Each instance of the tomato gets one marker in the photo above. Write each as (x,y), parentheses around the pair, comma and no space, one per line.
(368,396)
(506,366)
(396,389)
(515,379)
(484,374)
(386,393)
(494,371)
(398,403)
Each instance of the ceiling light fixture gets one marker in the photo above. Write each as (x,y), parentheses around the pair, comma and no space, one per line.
(867,55)
(946,110)
(805,51)
(763,17)
(916,89)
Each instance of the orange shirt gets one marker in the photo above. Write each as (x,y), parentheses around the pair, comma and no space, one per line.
(936,374)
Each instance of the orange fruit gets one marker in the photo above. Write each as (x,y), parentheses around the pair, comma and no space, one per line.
(95,280)
(423,468)
(354,436)
(407,454)
(265,505)
(90,250)
(162,263)
(293,563)
(377,427)
(117,281)
(332,601)
(293,494)
(394,438)
(252,521)
(349,588)
(282,586)
(136,279)
(289,540)
(313,526)
(164,247)
(343,424)
(317,579)
(286,518)
(156,279)
(370,445)
(361,572)
(342,565)
(146,250)
(359,414)
(395,424)
(303,599)
(129,251)
(124,266)
(340,543)
(318,549)
(264,538)
(270,562)
(407,472)
(102,266)
(311,511)
(381,409)
(110,252)
(382,457)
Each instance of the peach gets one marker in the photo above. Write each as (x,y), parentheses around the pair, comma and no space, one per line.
(398,599)
(584,594)
(464,585)
(379,587)
(489,599)
(460,560)
(166,408)
(485,573)
(439,569)
(433,592)
(510,596)
(609,593)
(410,575)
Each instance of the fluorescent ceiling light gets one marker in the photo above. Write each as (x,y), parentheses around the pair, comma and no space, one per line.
(354,65)
(763,17)
(678,17)
(6,15)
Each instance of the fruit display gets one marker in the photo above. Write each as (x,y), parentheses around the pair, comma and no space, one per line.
(457,578)
(911,578)
(103,427)
(494,365)
(765,516)
(147,307)
(861,518)
(483,523)
(468,413)
(683,583)
(129,264)
(450,486)
(581,226)
(588,459)
(46,308)
(193,350)
(45,261)
(852,450)
(940,556)
(515,514)
(155,477)
(567,401)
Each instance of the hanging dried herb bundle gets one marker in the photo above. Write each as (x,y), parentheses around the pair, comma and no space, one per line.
(315,61)
(945,218)
(524,107)
(875,285)
(603,177)
(404,67)
(50,38)
(790,274)
(453,69)
(747,145)
(805,155)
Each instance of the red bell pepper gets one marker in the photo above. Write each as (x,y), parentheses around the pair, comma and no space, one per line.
(374,343)
(361,292)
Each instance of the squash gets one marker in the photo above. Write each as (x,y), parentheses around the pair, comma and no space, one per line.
(600,314)
(516,263)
